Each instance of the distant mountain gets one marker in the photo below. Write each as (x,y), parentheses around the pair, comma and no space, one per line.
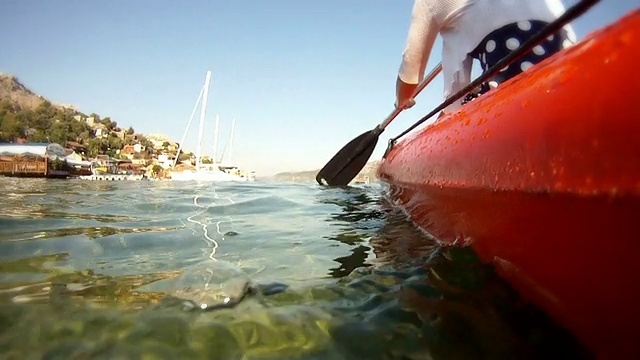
(19,95)
(310,175)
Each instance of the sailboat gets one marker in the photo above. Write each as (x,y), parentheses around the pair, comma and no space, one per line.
(201,171)
(228,165)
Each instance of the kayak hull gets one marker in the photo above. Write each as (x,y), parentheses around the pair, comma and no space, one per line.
(541,177)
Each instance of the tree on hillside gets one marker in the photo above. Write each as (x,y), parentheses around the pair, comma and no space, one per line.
(58,133)
(6,107)
(110,124)
(24,117)
(155,170)
(45,114)
(184,156)
(96,146)
(146,143)
(83,137)
(114,145)
(130,131)
(10,127)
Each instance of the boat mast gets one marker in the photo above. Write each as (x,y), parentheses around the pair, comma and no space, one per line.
(216,136)
(184,135)
(203,111)
(233,125)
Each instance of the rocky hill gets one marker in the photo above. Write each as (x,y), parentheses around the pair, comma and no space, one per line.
(28,117)
(20,96)
(309,176)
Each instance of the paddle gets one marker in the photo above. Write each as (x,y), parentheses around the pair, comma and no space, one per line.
(352,158)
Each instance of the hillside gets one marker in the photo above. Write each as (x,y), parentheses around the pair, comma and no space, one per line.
(20,96)
(309,176)
(28,117)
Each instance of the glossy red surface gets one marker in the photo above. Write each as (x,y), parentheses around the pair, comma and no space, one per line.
(542,178)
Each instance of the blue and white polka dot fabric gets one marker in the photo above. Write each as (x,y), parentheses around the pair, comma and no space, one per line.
(503,41)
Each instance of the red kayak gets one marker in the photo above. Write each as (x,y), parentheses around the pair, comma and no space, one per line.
(541,177)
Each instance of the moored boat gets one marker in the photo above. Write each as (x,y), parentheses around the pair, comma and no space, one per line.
(541,177)
(214,171)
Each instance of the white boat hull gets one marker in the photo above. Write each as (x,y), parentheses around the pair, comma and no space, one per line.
(216,176)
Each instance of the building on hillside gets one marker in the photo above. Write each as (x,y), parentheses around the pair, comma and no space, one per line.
(72,155)
(172,147)
(89,120)
(130,168)
(162,142)
(67,106)
(121,134)
(157,144)
(76,164)
(100,131)
(77,148)
(128,151)
(166,160)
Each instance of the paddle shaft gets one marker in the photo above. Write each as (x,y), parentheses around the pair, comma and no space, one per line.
(423,84)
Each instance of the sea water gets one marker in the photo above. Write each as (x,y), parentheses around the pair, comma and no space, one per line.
(104,270)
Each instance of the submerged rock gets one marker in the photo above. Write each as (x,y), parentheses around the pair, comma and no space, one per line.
(217,284)
(212,284)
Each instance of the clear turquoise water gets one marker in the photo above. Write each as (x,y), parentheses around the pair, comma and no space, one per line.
(98,270)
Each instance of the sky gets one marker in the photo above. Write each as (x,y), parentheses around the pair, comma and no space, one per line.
(301,78)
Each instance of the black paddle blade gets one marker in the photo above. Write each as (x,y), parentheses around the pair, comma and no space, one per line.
(349,161)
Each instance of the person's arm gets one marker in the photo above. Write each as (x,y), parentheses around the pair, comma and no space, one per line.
(423,31)
(404,94)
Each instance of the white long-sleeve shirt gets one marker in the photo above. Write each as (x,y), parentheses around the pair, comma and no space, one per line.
(462,25)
